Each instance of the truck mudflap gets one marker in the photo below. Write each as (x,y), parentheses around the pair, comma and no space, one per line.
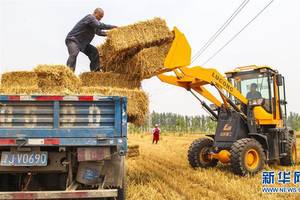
(79,194)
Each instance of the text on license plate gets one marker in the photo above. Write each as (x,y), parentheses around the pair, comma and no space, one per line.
(24,159)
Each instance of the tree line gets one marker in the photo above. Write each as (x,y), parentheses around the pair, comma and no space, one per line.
(171,123)
(293,121)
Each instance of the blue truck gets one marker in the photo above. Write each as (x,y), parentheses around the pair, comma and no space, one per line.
(62,147)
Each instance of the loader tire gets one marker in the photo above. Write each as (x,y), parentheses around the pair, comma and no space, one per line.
(247,157)
(291,150)
(197,153)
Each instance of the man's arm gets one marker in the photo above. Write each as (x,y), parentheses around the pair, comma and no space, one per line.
(259,95)
(106,26)
(93,22)
(101,32)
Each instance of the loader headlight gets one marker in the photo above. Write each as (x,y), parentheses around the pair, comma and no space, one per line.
(256,102)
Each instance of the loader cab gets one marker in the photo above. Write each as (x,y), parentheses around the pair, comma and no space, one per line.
(265,90)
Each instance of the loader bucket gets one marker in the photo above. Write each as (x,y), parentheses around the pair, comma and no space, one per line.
(179,54)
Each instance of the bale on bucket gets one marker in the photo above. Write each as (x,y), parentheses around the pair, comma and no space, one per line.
(109,79)
(138,103)
(145,64)
(19,79)
(139,35)
(57,79)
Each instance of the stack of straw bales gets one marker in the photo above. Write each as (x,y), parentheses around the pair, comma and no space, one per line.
(138,49)
(60,80)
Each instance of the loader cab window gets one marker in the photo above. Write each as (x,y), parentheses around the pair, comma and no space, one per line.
(282,97)
(255,86)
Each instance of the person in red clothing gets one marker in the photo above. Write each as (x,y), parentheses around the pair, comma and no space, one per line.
(155,132)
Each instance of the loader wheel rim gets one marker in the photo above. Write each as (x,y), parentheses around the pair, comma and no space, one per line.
(252,159)
(203,156)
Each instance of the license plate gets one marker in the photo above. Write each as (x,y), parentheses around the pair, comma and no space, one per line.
(24,159)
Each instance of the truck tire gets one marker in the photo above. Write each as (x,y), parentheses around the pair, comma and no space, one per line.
(122,191)
(291,150)
(121,194)
(247,157)
(197,153)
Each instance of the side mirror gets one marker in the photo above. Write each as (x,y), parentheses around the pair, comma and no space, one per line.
(283,102)
(279,79)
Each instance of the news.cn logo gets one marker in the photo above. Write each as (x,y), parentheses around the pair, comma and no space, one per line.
(281,179)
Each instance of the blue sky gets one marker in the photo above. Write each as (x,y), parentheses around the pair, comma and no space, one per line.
(33,32)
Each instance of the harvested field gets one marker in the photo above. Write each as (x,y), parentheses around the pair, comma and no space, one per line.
(138,102)
(57,79)
(109,79)
(122,54)
(162,172)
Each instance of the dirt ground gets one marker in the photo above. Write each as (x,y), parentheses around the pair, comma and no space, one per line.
(162,172)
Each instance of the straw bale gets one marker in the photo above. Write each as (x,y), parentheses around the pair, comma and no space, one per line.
(139,35)
(138,102)
(133,150)
(133,153)
(124,42)
(16,90)
(57,79)
(19,79)
(1,89)
(145,64)
(133,146)
(101,91)
(109,79)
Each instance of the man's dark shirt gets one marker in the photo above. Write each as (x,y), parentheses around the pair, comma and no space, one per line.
(254,95)
(85,30)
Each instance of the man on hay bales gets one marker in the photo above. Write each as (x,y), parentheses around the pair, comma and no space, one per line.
(80,37)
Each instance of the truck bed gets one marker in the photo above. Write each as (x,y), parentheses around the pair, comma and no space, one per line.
(62,120)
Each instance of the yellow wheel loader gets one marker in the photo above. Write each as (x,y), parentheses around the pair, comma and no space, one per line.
(249,105)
